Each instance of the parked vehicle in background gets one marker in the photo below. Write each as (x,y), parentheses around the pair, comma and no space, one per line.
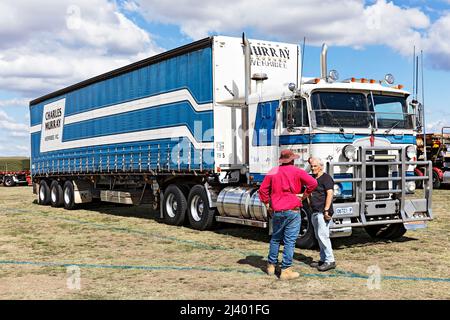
(15,171)
(438,152)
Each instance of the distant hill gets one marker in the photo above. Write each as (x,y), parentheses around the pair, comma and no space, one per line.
(14,163)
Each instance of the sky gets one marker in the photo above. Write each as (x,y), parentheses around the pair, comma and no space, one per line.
(49,44)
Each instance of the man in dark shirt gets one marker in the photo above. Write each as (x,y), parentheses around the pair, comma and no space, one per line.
(321,204)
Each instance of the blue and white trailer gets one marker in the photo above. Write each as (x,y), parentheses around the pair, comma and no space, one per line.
(195,129)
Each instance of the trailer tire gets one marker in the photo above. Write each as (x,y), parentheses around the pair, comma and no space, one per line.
(43,193)
(386,231)
(69,196)
(9,181)
(56,194)
(174,206)
(436,180)
(306,237)
(200,215)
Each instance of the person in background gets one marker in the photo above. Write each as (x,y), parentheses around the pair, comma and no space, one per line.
(278,192)
(322,210)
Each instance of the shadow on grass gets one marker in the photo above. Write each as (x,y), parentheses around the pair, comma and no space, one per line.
(359,237)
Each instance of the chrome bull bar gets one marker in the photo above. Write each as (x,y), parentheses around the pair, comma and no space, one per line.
(395,209)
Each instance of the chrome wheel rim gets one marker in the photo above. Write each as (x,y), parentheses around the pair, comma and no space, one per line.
(67,196)
(42,194)
(197,208)
(171,205)
(54,195)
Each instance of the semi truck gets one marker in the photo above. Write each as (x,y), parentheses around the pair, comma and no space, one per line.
(193,131)
(15,171)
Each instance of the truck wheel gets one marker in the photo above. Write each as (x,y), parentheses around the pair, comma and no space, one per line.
(306,238)
(386,231)
(174,206)
(44,193)
(56,194)
(395,231)
(200,215)
(436,181)
(9,181)
(69,196)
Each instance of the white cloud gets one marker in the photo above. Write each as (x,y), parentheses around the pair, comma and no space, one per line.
(15,102)
(15,137)
(47,45)
(352,23)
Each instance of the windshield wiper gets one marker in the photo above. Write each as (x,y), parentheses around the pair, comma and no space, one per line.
(341,128)
(395,124)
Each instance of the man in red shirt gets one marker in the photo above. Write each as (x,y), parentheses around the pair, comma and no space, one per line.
(278,192)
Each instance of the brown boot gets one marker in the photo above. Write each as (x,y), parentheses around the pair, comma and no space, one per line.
(270,269)
(288,274)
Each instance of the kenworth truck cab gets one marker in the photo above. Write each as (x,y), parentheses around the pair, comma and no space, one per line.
(364,130)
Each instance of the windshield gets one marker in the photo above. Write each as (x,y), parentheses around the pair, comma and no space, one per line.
(355,110)
(339,109)
(391,112)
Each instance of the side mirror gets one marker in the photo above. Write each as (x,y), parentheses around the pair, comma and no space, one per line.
(290,114)
(417,114)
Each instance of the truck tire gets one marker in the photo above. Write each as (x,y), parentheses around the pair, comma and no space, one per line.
(306,238)
(56,194)
(436,181)
(200,215)
(43,193)
(9,181)
(174,206)
(69,196)
(386,231)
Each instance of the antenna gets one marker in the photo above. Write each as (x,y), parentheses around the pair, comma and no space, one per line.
(303,57)
(417,76)
(414,71)
(423,110)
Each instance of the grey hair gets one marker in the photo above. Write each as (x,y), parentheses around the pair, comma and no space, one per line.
(318,160)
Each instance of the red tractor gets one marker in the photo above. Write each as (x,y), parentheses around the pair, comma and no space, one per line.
(438,152)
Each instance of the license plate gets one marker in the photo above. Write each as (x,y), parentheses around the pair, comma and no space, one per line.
(344,211)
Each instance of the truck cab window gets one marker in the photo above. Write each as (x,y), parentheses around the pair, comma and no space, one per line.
(295,113)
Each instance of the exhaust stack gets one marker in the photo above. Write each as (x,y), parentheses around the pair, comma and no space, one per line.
(323,62)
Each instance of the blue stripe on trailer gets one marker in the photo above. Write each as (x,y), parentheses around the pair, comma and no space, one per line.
(170,115)
(191,71)
(171,154)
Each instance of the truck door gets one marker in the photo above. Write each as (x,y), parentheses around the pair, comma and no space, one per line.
(294,129)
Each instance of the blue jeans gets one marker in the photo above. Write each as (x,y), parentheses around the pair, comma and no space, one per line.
(286,227)
(322,231)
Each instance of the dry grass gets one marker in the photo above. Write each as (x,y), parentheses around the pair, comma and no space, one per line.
(127,253)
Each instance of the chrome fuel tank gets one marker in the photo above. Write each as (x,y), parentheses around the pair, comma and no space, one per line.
(240,202)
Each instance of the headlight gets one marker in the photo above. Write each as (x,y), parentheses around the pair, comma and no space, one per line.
(350,152)
(410,152)
(337,190)
(410,186)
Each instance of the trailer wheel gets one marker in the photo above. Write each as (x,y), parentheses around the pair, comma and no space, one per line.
(174,205)
(386,231)
(44,193)
(69,196)
(436,181)
(200,215)
(9,181)
(306,237)
(56,194)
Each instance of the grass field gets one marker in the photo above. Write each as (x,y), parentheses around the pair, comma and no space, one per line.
(125,252)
